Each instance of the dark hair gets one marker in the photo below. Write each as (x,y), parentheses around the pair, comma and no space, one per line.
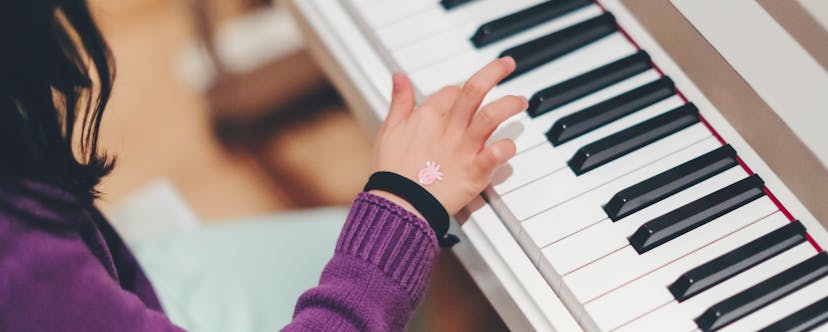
(56,74)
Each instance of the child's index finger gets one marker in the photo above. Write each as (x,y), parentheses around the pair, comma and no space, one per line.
(477,87)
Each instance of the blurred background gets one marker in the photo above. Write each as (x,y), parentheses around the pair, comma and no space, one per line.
(219,112)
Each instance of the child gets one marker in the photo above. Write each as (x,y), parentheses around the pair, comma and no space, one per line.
(63,267)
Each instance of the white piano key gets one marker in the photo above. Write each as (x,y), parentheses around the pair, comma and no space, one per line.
(363,3)
(455,42)
(534,163)
(382,13)
(434,24)
(604,238)
(505,274)
(577,214)
(781,308)
(622,266)
(566,67)
(514,223)
(561,186)
(650,291)
(537,127)
(457,69)
(676,316)
(545,159)
(660,320)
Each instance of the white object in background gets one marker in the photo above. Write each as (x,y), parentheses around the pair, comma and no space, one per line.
(153,210)
(242,45)
(818,9)
(787,78)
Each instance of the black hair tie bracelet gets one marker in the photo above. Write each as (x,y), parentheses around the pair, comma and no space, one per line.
(431,209)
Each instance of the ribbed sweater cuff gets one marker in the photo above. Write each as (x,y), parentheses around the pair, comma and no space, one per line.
(392,239)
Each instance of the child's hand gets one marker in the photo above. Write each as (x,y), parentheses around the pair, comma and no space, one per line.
(448,130)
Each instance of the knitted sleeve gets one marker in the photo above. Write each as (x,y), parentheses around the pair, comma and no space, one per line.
(377,276)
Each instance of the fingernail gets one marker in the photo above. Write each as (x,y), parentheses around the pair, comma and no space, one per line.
(396,79)
(525,101)
(509,60)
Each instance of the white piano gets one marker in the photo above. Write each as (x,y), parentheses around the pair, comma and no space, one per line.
(633,204)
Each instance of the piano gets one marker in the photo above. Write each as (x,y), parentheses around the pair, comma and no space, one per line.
(639,200)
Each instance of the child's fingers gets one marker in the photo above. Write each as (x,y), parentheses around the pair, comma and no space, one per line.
(495,155)
(442,100)
(476,88)
(402,99)
(492,115)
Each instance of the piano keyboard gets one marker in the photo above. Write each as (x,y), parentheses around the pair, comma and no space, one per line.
(635,210)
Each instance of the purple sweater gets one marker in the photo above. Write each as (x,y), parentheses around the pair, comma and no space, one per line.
(64,268)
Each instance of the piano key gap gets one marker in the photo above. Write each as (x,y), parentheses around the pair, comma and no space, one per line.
(412,17)
(682,256)
(594,260)
(598,186)
(642,315)
(535,180)
(573,233)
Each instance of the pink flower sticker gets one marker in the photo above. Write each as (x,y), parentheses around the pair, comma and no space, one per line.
(430,173)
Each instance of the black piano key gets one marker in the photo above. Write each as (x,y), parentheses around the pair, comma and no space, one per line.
(806,319)
(766,292)
(575,88)
(736,261)
(628,140)
(450,4)
(590,118)
(650,191)
(512,24)
(534,53)
(697,213)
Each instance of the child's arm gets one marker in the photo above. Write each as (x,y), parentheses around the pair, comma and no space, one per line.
(51,281)
(386,251)
(378,273)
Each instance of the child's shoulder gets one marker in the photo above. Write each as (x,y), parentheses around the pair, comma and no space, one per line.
(38,222)
(38,206)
